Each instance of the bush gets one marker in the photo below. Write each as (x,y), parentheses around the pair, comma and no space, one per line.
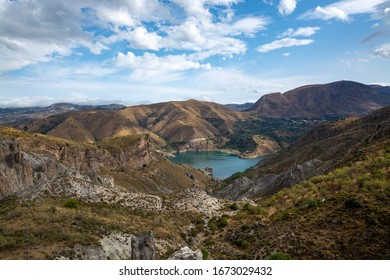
(245,227)
(279,256)
(222,222)
(241,244)
(213,227)
(353,202)
(71,203)
(199,221)
(375,184)
(205,254)
(233,206)
(194,232)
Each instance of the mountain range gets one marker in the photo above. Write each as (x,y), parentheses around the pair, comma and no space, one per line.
(25,114)
(338,99)
(198,125)
(96,184)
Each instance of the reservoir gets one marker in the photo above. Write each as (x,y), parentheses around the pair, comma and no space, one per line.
(223,164)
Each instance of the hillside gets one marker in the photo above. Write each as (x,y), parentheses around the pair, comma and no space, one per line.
(325,197)
(326,147)
(189,124)
(343,214)
(16,116)
(114,199)
(28,161)
(184,121)
(337,99)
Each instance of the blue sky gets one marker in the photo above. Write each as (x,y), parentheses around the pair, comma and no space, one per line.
(144,51)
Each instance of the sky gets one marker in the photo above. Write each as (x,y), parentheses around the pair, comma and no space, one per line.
(146,51)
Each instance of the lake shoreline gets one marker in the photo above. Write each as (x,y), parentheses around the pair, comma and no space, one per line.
(222,164)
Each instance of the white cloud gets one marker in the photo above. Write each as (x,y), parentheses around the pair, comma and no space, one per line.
(128,13)
(287,7)
(302,31)
(119,17)
(284,43)
(37,31)
(345,62)
(342,10)
(247,26)
(140,38)
(268,2)
(286,54)
(152,62)
(48,29)
(383,51)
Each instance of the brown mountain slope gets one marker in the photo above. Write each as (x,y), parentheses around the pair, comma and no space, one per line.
(87,126)
(337,99)
(30,161)
(175,122)
(340,215)
(184,121)
(328,146)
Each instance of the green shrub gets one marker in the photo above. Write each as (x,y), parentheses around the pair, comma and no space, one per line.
(199,221)
(71,203)
(205,254)
(213,227)
(209,241)
(245,227)
(194,232)
(242,244)
(353,202)
(279,256)
(233,206)
(222,222)
(375,184)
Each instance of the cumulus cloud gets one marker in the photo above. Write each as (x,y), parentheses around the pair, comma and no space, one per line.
(342,10)
(35,31)
(287,7)
(150,61)
(283,43)
(383,51)
(302,31)
(48,29)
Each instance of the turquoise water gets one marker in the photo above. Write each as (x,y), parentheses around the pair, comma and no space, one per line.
(223,164)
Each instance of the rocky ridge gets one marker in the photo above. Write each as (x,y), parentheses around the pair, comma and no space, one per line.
(326,147)
(337,99)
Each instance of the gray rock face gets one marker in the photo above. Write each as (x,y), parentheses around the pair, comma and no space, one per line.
(21,169)
(117,246)
(264,184)
(143,247)
(186,253)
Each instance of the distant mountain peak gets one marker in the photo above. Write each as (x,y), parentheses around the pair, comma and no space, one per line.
(336,99)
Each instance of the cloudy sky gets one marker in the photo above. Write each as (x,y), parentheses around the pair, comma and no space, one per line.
(143,51)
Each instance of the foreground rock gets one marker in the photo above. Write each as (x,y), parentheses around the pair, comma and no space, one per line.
(186,253)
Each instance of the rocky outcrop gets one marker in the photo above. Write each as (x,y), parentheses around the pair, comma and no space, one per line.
(186,253)
(117,246)
(143,247)
(33,162)
(265,184)
(92,189)
(264,146)
(20,170)
(197,201)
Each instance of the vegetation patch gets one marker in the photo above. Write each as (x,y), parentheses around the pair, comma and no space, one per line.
(71,203)
(279,256)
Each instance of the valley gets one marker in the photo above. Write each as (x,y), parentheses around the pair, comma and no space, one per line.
(97,183)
